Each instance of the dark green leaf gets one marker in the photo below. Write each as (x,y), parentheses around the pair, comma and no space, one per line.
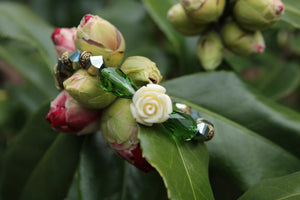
(267,73)
(25,153)
(18,22)
(292,12)
(52,177)
(241,118)
(282,188)
(27,61)
(103,175)
(184,49)
(158,12)
(183,166)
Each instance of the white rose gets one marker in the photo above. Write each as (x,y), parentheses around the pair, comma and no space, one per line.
(151,105)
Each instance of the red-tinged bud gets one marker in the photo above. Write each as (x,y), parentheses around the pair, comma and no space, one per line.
(242,42)
(256,15)
(100,37)
(120,131)
(63,39)
(67,115)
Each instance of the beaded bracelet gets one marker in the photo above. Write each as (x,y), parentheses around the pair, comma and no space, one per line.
(184,122)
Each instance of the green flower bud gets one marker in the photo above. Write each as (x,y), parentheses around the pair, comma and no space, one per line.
(204,11)
(118,126)
(182,23)
(210,50)
(258,14)
(120,130)
(242,42)
(100,37)
(87,91)
(141,71)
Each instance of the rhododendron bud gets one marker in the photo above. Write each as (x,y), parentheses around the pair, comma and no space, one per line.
(204,11)
(100,37)
(63,39)
(86,89)
(141,71)
(120,131)
(242,42)
(181,22)
(258,14)
(67,115)
(210,50)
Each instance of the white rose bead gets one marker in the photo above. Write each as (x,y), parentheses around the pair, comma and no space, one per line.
(151,105)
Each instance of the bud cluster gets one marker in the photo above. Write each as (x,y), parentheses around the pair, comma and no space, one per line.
(234,24)
(84,105)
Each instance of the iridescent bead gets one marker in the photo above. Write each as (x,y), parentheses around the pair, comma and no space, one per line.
(61,74)
(181,125)
(205,130)
(113,80)
(74,59)
(94,64)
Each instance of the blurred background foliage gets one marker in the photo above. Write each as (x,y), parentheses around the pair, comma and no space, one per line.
(27,56)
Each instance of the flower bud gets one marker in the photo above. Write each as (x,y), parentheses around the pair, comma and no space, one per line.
(100,37)
(63,39)
(210,50)
(120,131)
(86,89)
(256,15)
(67,115)
(203,11)
(182,23)
(242,42)
(141,71)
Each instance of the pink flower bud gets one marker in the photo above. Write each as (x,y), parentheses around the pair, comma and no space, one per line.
(63,39)
(67,115)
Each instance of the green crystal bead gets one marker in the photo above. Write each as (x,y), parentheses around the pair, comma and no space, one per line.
(205,129)
(181,125)
(74,58)
(113,80)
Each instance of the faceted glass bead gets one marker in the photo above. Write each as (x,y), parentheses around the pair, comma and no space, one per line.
(181,125)
(94,64)
(113,80)
(74,58)
(205,130)
(61,74)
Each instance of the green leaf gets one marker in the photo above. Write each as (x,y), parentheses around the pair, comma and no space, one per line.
(267,73)
(27,61)
(292,12)
(184,49)
(158,12)
(39,165)
(18,22)
(52,177)
(25,152)
(103,175)
(282,188)
(183,166)
(241,118)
